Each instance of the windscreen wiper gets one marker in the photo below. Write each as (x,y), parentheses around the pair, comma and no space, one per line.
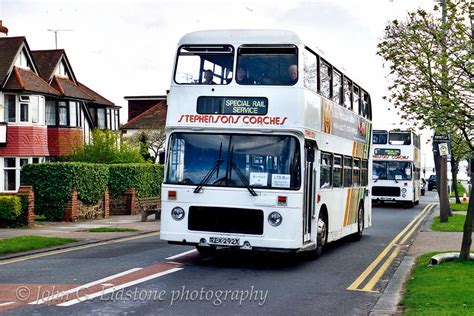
(210,172)
(244,179)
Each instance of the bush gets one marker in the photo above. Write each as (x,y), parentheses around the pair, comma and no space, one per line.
(53,183)
(106,147)
(10,208)
(146,179)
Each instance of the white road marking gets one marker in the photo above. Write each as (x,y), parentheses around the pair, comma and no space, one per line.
(118,287)
(6,304)
(85,286)
(181,254)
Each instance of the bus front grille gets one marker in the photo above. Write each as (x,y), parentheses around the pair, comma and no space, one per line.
(385,191)
(225,220)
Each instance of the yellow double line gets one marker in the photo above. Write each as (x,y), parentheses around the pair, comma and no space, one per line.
(394,245)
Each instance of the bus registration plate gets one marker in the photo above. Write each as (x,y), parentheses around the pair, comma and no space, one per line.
(224,241)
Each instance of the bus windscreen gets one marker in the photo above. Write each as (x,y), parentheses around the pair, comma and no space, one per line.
(262,161)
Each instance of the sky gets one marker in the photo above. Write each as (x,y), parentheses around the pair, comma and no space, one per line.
(126,48)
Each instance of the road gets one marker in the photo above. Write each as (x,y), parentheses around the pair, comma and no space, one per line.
(148,276)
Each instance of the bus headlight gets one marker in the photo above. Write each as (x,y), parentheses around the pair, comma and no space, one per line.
(275,219)
(404,195)
(404,190)
(177,213)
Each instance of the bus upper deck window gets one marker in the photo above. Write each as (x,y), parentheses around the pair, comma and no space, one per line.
(268,64)
(347,94)
(198,64)
(337,87)
(379,138)
(400,138)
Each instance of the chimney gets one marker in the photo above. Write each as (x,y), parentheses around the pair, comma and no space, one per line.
(3,30)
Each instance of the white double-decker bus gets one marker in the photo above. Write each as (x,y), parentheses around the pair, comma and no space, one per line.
(267,145)
(396,167)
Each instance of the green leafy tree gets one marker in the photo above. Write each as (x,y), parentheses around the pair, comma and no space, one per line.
(106,147)
(150,142)
(430,61)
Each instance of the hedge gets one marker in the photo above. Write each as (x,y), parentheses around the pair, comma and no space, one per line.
(53,183)
(146,179)
(10,209)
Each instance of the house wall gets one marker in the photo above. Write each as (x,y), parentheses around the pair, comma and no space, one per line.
(63,141)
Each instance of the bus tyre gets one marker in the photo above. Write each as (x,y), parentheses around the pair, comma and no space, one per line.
(206,251)
(360,225)
(321,239)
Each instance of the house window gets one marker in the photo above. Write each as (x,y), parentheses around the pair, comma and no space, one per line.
(101,118)
(50,113)
(117,119)
(24,112)
(35,109)
(12,170)
(73,114)
(62,107)
(10,107)
(109,119)
(10,174)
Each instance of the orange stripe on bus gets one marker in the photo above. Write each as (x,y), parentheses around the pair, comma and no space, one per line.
(346,213)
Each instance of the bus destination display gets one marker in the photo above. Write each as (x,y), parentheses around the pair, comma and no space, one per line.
(232,105)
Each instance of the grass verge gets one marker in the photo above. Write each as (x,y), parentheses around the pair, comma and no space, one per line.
(110,230)
(458,207)
(445,289)
(26,243)
(455,224)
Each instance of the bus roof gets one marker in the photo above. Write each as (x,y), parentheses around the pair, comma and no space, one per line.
(247,36)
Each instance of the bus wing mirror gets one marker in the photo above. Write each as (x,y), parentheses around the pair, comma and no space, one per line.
(310,155)
(161,157)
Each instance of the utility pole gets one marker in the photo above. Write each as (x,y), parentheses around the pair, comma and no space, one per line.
(443,182)
(56,34)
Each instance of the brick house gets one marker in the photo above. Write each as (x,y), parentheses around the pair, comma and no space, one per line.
(146,113)
(44,110)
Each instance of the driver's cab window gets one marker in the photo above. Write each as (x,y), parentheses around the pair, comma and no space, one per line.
(198,64)
(267,65)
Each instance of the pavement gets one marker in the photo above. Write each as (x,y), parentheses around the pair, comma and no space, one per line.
(425,241)
(78,230)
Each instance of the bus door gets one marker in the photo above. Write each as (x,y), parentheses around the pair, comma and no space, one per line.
(309,191)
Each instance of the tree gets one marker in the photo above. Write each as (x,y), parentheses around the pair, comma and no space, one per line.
(149,140)
(459,152)
(106,147)
(430,68)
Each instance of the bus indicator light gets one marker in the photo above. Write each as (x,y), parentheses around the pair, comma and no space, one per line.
(171,195)
(282,200)
(318,198)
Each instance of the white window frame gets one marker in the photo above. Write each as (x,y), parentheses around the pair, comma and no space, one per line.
(17,169)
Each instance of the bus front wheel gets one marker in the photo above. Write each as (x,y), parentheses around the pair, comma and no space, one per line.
(321,238)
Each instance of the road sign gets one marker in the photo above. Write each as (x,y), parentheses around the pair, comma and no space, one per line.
(438,138)
(443,149)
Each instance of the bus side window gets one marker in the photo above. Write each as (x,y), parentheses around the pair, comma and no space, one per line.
(356,173)
(325,173)
(357,103)
(347,171)
(337,87)
(347,94)
(365,173)
(325,78)
(337,172)
(364,100)
(310,70)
